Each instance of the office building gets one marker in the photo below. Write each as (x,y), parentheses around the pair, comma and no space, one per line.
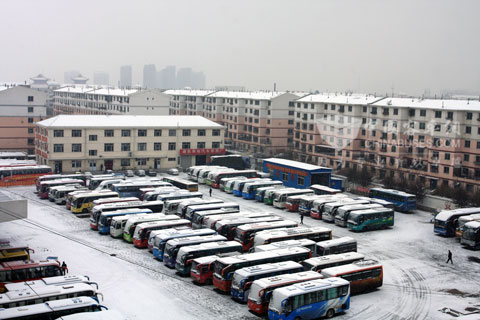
(150,76)
(125,77)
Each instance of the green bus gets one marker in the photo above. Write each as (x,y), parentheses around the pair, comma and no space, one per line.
(370,219)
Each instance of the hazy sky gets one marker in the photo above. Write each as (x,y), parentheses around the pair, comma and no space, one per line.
(335,45)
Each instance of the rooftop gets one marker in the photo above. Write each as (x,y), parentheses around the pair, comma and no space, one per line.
(257,95)
(354,98)
(185,92)
(127,121)
(447,104)
(295,164)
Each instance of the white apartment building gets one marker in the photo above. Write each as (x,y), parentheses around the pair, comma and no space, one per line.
(84,99)
(71,143)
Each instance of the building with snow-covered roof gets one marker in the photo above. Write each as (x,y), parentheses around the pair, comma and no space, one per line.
(84,99)
(99,142)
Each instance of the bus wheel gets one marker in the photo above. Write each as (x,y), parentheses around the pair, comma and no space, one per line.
(84,211)
(330,313)
(297,318)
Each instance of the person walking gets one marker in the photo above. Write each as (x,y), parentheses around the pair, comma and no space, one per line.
(64,268)
(301,218)
(210,192)
(449,257)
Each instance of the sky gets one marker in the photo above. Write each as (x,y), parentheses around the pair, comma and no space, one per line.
(370,46)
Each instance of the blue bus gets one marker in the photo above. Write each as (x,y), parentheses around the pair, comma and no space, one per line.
(250,189)
(106,217)
(403,201)
(310,300)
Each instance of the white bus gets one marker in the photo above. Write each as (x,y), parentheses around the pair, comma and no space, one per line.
(160,238)
(261,289)
(260,192)
(197,218)
(245,233)
(210,221)
(191,210)
(306,243)
(51,281)
(310,300)
(239,184)
(203,173)
(341,217)
(173,246)
(182,207)
(151,195)
(143,230)
(463,220)
(105,219)
(332,260)
(280,198)
(99,202)
(60,196)
(315,233)
(39,293)
(133,222)
(118,224)
(329,209)
(243,278)
(224,181)
(335,246)
(58,309)
(317,205)
(187,253)
(227,228)
(321,190)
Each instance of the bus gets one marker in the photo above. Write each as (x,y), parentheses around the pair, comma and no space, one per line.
(61,194)
(335,246)
(179,196)
(306,243)
(260,193)
(133,222)
(292,203)
(330,209)
(70,195)
(45,186)
(343,212)
(53,190)
(261,289)
(112,200)
(315,233)
(317,264)
(280,197)
(228,227)
(224,181)
(13,251)
(191,210)
(172,205)
(317,206)
(239,184)
(321,190)
(104,222)
(155,206)
(161,238)
(100,177)
(306,202)
(187,253)
(403,201)
(82,203)
(384,203)
(95,181)
(363,275)
(106,184)
(39,293)
(212,174)
(471,235)
(370,219)
(243,278)
(249,191)
(446,221)
(182,207)
(235,161)
(197,218)
(245,233)
(143,230)
(211,221)
(249,174)
(203,173)
(118,224)
(462,221)
(310,299)
(149,194)
(182,183)
(197,172)
(50,177)
(132,189)
(193,170)
(225,267)
(173,246)
(57,309)
(26,270)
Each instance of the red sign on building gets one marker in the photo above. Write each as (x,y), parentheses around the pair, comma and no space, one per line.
(200,152)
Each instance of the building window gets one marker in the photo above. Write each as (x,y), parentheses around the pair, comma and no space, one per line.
(467,143)
(423,113)
(142,146)
(30,141)
(125,162)
(76,164)
(447,156)
(125,147)
(142,133)
(469,116)
(172,133)
(108,147)
(30,109)
(76,147)
(108,133)
(466,157)
(201,132)
(157,146)
(284,176)
(125,133)
(141,162)
(395,111)
(186,145)
(30,130)
(200,145)
(215,145)
(92,137)
(215,133)
(172,146)
(157,133)
(58,148)
(446,170)
(437,127)
(301,180)
(438,114)
(468,130)
(422,125)
(92,152)
(76,133)
(58,133)
(30,99)
(186,132)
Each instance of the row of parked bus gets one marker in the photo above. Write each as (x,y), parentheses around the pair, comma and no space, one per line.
(463,223)
(40,289)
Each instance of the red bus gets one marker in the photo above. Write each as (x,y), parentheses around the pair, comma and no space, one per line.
(22,174)
(17,271)
(215,182)
(45,185)
(245,233)
(364,275)
(59,176)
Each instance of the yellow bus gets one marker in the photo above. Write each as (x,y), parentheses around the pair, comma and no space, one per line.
(83,202)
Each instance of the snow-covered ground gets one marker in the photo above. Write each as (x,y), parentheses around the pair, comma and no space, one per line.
(417,281)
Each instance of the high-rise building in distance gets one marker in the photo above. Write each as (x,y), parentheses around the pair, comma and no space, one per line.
(125,76)
(150,76)
(166,77)
(101,78)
